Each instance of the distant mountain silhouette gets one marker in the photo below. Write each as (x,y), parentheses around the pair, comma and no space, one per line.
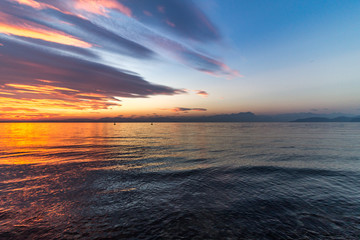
(322,119)
(241,117)
(313,119)
(233,117)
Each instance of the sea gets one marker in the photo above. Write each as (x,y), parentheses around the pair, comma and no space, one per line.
(180,181)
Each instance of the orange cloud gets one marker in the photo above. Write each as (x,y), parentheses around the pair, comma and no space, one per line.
(38,5)
(6,93)
(101,6)
(12,109)
(32,101)
(38,88)
(32,109)
(31,3)
(41,33)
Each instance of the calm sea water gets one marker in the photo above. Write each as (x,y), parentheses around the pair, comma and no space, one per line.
(180,181)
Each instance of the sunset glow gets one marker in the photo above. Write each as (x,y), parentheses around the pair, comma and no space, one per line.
(97,59)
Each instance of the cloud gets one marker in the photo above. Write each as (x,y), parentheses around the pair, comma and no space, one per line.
(142,31)
(100,7)
(104,38)
(23,115)
(33,3)
(186,18)
(150,37)
(184,109)
(67,54)
(47,75)
(12,109)
(201,93)
(9,26)
(65,98)
(58,24)
(319,109)
(84,52)
(191,58)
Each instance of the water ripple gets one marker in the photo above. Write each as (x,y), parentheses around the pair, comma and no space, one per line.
(180,181)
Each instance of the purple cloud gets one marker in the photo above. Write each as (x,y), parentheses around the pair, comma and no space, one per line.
(146,36)
(183,18)
(69,50)
(23,64)
(184,109)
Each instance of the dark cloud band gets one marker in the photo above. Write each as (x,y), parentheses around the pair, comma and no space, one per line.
(23,63)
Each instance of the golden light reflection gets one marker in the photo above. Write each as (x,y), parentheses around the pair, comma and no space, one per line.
(121,147)
(59,143)
(20,141)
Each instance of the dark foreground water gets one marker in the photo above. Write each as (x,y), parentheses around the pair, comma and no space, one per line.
(179,181)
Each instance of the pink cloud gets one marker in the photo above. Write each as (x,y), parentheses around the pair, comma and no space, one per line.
(194,59)
(147,13)
(171,24)
(201,93)
(161,9)
(12,25)
(100,7)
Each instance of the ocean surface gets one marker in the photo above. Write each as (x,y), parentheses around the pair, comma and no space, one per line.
(180,181)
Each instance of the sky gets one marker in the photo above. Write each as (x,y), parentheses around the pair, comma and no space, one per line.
(62,59)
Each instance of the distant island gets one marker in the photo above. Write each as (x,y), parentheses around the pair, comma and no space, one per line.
(233,117)
(322,119)
(244,117)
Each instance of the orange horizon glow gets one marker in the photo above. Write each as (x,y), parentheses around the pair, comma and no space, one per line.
(51,102)
(93,59)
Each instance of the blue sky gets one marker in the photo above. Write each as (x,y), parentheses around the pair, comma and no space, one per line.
(77,58)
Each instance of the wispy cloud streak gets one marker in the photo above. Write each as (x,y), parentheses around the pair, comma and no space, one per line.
(90,23)
(184,109)
(182,18)
(46,75)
